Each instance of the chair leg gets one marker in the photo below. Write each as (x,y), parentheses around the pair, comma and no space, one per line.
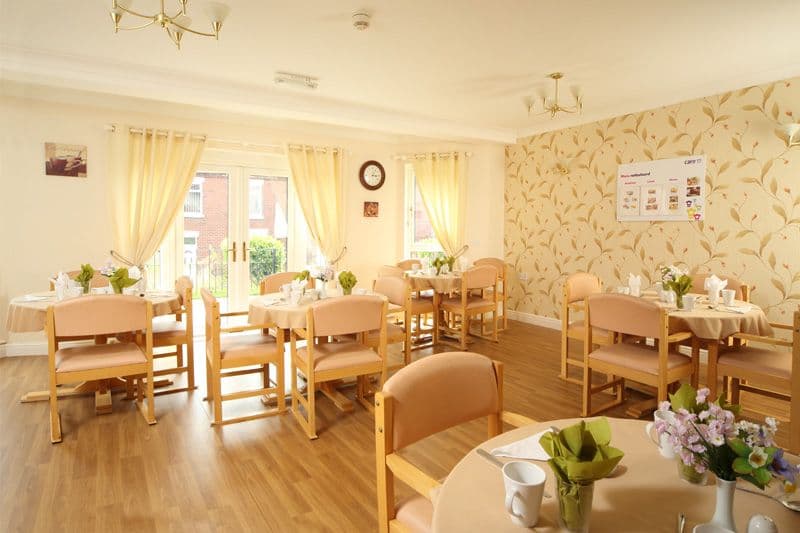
(311,430)
(281,384)
(55,417)
(129,388)
(190,363)
(209,382)
(150,414)
(217,399)
(494,325)
(464,329)
(179,355)
(505,315)
(713,355)
(564,350)
(586,408)
(734,391)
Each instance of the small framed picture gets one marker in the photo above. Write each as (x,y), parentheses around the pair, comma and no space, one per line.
(371,209)
(65,160)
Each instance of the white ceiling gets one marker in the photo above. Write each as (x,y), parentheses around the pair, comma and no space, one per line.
(455,69)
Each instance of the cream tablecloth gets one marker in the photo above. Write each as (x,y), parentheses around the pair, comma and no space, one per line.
(647,496)
(270,309)
(29,315)
(444,283)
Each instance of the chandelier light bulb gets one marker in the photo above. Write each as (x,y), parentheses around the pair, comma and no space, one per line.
(217,12)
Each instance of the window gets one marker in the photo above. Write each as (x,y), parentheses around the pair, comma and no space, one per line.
(193,205)
(256,198)
(420,240)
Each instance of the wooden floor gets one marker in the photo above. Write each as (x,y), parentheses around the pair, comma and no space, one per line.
(114,473)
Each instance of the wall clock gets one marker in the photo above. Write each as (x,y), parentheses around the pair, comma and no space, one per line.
(372,175)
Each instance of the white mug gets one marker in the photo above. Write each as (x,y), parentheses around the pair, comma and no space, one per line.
(728,296)
(286,290)
(670,297)
(524,484)
(662,441)
(688,301)
(295,296)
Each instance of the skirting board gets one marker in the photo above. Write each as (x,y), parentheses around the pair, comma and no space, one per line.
(555,323)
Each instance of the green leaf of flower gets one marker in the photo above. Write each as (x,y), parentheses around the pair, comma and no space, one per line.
(762,476)
(741,466)
(739,447)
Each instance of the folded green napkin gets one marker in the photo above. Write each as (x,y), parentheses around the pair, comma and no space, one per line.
(579,455)
(119,280)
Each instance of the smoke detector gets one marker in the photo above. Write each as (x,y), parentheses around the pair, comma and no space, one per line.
(361,20)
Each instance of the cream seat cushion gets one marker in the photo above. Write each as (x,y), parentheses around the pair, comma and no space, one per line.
(336,355)
(247,346)
(773,363)
(576,329)
(473,302)
(637,358)
(90,357)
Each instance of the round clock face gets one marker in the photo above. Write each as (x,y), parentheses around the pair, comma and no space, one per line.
(372,175)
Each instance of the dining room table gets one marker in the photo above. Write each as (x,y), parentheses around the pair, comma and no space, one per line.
(28,313)
(644,493)
(443,283)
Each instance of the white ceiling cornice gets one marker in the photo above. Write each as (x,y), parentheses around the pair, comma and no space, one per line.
(116,78)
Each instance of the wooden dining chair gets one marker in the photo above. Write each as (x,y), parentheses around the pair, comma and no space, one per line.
(390,271)
(176,330)
(424,398)
(772,370)
(467,305)
(398,293)
(273,283)
(231,353)
(658,367)
(502,286)
(105,315)
(321,361)
(577,287)
(742,289)
(408,264)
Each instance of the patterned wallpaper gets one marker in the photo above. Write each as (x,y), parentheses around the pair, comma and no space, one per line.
(560,193)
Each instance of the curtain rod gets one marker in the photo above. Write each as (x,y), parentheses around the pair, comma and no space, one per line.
(405,157)
(237,143)
(322,149)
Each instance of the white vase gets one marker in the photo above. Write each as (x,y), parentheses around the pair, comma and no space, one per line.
(323,291)
(723,512)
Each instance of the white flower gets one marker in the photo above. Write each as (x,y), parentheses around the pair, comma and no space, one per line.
(758,457)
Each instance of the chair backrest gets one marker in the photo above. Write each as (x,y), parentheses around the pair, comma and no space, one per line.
(479,277)
(184,288)
(98,280)
(498,263)
(742,289)
(100,315)
(388,271)
(211,307)
(580,285)
(397,290)
(626,314)
(408,264)
(439,392)
(345,315)
(273,282)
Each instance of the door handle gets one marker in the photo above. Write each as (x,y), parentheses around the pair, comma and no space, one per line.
(234,252)
(244,250)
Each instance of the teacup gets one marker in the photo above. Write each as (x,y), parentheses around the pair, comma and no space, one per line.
(623,289)
(524,484)
(74,292)
(360,290)
(295,296)
(728,296)
(662,441)
(688,301)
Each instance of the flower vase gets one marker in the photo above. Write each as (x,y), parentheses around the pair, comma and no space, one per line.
(679,298)
(574,505)
(347,292)
(87,287)
(723,512)
(688,473)
(323,292)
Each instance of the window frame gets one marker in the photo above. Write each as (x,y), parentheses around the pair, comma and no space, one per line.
(410,248)
(195,214)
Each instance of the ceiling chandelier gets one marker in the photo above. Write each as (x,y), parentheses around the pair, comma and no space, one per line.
(175,25)
(550,105)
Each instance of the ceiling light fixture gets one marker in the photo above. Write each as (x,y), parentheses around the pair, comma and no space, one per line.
(550,105)
(175,25)
(298,80)
(361,20)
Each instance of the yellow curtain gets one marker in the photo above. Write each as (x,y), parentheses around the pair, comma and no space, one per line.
(442,183)
(151,171)
(317,176)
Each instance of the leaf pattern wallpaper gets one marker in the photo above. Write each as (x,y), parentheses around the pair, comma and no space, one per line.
(560,194)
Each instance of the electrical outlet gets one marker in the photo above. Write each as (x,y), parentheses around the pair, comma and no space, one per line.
(523,276)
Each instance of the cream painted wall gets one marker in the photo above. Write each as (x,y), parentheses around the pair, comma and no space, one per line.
(53,223)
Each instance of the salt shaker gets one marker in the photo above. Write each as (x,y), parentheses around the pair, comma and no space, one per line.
(760,523)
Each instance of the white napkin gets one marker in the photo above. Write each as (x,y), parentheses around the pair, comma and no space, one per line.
(527,448)
(741,309)
(61,284)
(713,283)
(635,284)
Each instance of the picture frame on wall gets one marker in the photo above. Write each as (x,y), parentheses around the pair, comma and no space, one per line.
(371,209)
(68,160)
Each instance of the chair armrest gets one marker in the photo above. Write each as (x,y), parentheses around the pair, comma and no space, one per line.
(765,340)
(411,475)
(300,332)
(516,419)
(246,327)
(234,313)
(678,337)
(781,326)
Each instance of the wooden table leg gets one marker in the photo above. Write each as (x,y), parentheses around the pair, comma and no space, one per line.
(102,390)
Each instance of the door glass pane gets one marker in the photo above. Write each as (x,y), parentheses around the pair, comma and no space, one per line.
(205,234)
(423,240)
(268,228)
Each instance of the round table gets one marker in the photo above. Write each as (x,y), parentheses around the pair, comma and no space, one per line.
(28,313)
(441,283)
(272,309)
(646,496)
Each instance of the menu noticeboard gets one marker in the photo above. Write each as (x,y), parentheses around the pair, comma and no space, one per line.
(665,189)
